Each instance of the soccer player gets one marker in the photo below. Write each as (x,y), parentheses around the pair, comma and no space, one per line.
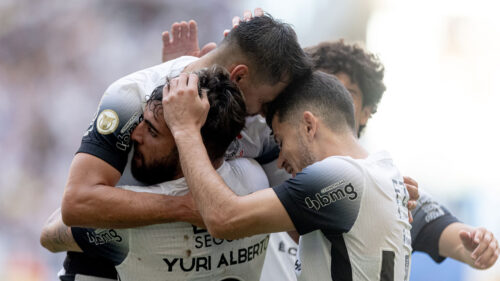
(262,56)
(435,230)
(178,251)
(350,207)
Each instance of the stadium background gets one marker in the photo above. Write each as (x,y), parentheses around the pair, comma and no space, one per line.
(438,117)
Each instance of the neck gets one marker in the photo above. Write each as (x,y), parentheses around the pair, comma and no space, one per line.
(334,144)
(206,61)
(220,56)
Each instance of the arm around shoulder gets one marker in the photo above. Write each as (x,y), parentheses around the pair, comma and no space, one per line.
(91,200)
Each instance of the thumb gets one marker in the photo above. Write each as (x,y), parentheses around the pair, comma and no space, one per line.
(466,238)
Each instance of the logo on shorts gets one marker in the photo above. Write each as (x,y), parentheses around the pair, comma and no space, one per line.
(107,122)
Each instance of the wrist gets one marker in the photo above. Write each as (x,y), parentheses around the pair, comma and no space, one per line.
(185,132)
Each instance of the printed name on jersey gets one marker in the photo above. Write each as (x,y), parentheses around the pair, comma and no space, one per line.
(107,122)
(331,194)
(206,263)
(103,237)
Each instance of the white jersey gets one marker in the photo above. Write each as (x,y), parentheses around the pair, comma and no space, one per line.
(181,251)
(353,218)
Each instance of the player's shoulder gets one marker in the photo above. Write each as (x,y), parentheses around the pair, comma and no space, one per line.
(344,165)
(248,172)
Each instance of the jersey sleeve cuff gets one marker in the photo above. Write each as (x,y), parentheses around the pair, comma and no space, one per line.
(113,158)
(291,208)
(434,230)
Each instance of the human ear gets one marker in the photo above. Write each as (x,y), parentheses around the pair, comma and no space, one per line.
(238,73)
(310,124)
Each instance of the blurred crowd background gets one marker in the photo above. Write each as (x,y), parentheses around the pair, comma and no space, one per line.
(438,118)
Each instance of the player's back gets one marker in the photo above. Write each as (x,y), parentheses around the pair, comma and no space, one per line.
(377,245)
(181,251)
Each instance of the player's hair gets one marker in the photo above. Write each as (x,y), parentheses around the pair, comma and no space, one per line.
(362,67)
(321,94)
(226,117)
(272,49)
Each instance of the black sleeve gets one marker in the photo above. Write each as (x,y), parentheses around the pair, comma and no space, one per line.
(111,244)
(325,195)
(429,221)
(82,263)
(108,136)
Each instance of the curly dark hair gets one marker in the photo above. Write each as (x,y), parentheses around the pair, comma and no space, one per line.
(226,117)
(362,67)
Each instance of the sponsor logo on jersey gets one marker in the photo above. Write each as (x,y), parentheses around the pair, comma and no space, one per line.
(103,237)
(107,122)
(234,150)
(331,194)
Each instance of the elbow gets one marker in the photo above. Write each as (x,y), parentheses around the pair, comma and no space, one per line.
(45,240)
(70,208)
(221,226)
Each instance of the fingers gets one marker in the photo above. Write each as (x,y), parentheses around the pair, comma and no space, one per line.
(176,30)
(193,29)
(412,205)
(408,180)
(226,32)
(247,15)
(412,188)
(184,30)
(413,192)
(483,240)
(479,234)
(236,21)
(258,12)
(192,81)
(410,217)
(165,36)
(489,256)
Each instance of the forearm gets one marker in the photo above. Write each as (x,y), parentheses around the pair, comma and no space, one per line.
(110,207)
(56,237)
(214,199)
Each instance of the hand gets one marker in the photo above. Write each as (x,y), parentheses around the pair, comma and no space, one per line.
(412,187)
(183,109)
(247,15)
(183,41)
(483,246)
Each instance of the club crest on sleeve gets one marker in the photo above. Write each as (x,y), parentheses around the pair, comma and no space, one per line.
(107,122)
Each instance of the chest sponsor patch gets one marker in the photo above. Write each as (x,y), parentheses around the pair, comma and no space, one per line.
(107,122)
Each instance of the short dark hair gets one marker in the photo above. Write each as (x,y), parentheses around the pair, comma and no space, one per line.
(226,117)
(362,67)
(322,94)
(271,48)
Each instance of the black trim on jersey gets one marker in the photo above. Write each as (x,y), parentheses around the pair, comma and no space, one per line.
(117,159)
(387,270)
(95,250)
(427,239)
(81,263)
(341,269)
